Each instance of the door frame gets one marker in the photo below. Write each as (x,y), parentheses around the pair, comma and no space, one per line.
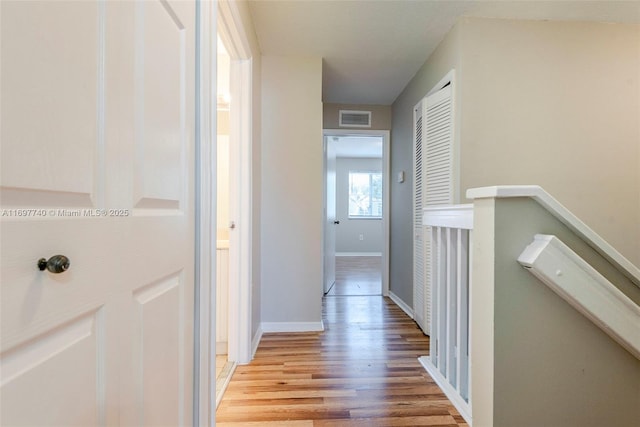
(205,211)
(233,35)
(213,18)
(386,183)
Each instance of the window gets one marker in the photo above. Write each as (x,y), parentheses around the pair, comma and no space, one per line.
(365,195)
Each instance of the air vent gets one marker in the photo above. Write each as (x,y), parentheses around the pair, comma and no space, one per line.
(355,119)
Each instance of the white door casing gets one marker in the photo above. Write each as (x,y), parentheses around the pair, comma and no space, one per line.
(97,164)
(232,32)
(386,166)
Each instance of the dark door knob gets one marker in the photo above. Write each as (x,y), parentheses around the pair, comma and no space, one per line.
(336,222)
(56,264)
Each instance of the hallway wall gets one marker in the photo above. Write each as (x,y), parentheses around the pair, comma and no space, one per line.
(292,188)
(445,58)
(549,103)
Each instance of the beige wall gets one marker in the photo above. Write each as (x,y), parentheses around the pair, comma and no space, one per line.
(380,116)
(556,104)
(292,189)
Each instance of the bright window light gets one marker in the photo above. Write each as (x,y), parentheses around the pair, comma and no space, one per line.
(365,195)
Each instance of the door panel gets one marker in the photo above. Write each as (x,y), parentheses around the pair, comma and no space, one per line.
(157,347)
(160,108)
(97,155)
(53,355)
(49,103)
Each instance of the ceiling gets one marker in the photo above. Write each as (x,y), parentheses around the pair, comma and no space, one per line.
(372,48)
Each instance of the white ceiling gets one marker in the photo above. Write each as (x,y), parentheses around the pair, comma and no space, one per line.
(358,146)
(372,48)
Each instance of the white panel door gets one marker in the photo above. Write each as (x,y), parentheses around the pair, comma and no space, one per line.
(97,154)
(331,221)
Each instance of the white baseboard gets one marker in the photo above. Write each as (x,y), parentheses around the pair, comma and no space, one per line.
(255,342)
(461,405)
(358,253)
(292,326)
(395,298)
(221,386)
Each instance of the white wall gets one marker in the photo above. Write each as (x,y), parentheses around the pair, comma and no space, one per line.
(349,230)
(292,188)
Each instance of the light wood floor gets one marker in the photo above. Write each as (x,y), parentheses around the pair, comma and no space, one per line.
(357,275)
(361,371)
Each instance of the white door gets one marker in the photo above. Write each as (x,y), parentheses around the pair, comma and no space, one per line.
(331,221)
(97,165)
(433,156)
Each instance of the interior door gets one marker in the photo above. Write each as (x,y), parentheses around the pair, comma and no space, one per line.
(97,165)
(331,221)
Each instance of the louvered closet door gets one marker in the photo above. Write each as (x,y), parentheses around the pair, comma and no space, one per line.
(434,186)
(418,244)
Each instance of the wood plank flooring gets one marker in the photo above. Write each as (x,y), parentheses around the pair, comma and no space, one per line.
(361,371)
(357,275)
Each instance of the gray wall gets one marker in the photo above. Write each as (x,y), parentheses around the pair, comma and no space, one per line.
(548,103)
(551,366)
(349,230)
(445,58)
(292,188)
(380,115)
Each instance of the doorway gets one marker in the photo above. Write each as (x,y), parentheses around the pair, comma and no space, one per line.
(234,199)
(224,365)
(356,232)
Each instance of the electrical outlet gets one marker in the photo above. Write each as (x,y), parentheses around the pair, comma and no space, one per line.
(362,237)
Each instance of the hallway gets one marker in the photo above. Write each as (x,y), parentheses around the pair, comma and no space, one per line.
(361,371)
(357,275)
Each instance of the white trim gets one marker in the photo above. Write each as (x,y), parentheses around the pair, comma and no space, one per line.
(234,37)
(586,290)
(449,78)
(256,341)
(204,398)
(222,387)
(452,216)
(461,405)
(231,30)
(566,217)
(396,299)
(292,326)
(347,254)
(386,196)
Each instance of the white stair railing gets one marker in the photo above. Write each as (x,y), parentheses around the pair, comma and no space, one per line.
(450,242)
(582,286)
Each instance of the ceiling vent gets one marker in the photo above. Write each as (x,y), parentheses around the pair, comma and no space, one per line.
(355,119)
